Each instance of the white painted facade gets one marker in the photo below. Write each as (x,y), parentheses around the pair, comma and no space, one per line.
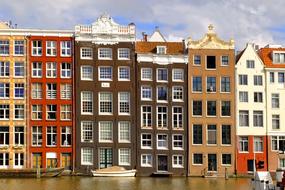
(249,54)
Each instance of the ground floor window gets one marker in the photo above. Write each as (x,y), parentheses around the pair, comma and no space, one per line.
(19,160)
(197,158)
(86,156)
(177,161)
(66,161)
(146,160)
(37,160)
(4,160)
(124,157)
(52,161)
(282,162)
(226,159)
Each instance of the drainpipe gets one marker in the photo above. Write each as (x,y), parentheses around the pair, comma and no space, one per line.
(73,105)
(27,75)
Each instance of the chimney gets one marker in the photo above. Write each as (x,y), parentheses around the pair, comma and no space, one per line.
(144,37)
(184,47)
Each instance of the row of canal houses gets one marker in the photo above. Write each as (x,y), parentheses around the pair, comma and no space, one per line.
(96,97)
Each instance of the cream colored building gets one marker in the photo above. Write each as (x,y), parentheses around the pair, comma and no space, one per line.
(250,110)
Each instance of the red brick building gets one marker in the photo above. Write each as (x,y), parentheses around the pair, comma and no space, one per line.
(50,99)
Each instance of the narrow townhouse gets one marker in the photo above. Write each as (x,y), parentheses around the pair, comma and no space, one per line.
(13,97)
(211,103)
(105,95)
(273,57)
(161,106)
(50,92)
(251,98)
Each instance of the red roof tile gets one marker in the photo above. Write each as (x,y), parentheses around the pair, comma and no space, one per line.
(266,56)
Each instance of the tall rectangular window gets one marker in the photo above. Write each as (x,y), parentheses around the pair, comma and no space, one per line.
(177,93)
(275,121)
(105,131)
(37,48)
(212,134)
(65,91)
(19,90)
(19,112)
(37,136)
(197,134)
(243,96)
(18,160)
(86,156)
(51,136)
(19,135)
(124,103)
(162,93)
(146,116)
(275,100)
(51,112)
(124,157)
(86,72)
(37,112)
(161,117)
(146,74)
(258,118)
(19,69)
(65,112)
(37,92)
(258,97)
(37,70)
(4,160)
(86,102)
(18,47)
(211,84)
(250,64)
(281,77)
(51,48)
(162,75)
(177,142)
(146,93)
(226,134)
(51,91)
(197,107)
(4,135)
(4,69)
(242,79)
(124,131)
(86,131)
(51,70)
(4,47)
(258,144)
(211,108)
(124,53)
(225,60)
(225,84)
(105,103)
(65,47)
(211,62)
(104,53)
(177,117)
(243,118)
(66,136)
(65,70)
(272,77)
(226,108)
(4,90)
(243,144)
(197,84)
(257,80)
(4,111)
(197,60)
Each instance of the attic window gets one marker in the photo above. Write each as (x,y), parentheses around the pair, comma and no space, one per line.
(161,49)
(279,57)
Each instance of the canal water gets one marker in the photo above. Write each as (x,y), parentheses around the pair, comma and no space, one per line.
(138,183)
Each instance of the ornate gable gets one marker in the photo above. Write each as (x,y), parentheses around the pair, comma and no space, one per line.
(210,41)
(105,31)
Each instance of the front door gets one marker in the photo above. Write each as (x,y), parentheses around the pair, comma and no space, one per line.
(51,162)
(66,161)
(37,160)
(106,157)
(212,162)
(162,163)
(250,165)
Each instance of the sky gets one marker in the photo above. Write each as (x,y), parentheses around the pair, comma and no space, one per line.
(255,21)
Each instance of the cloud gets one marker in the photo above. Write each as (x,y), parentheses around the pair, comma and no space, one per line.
(259,21)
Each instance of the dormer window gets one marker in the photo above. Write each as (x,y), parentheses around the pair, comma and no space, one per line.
(161,49)
(279,57)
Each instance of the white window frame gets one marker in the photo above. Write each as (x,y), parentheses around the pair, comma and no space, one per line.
(65,48)
(143,71)
(107,56)
(82,77)
(38,49)
(100,125)
(122,153)
(124,103)
(175,92)
(173,141)
(83,153)
(52,47)
(120,53)
(174,79)
(158,141)
(88,100)
(110,78)
(121,125)
(148,158)
(119,73)
(65,72)
(21,45)
(146,147)
(147,88)
(51,70)
(65,91)
(38,69)
(106,101)
(84,54)
(177,165)
(87,128)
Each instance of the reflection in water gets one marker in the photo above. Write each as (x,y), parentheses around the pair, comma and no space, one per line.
(138,183)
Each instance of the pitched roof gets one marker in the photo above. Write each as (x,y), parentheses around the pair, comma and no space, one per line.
(266,56)
(172,48)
